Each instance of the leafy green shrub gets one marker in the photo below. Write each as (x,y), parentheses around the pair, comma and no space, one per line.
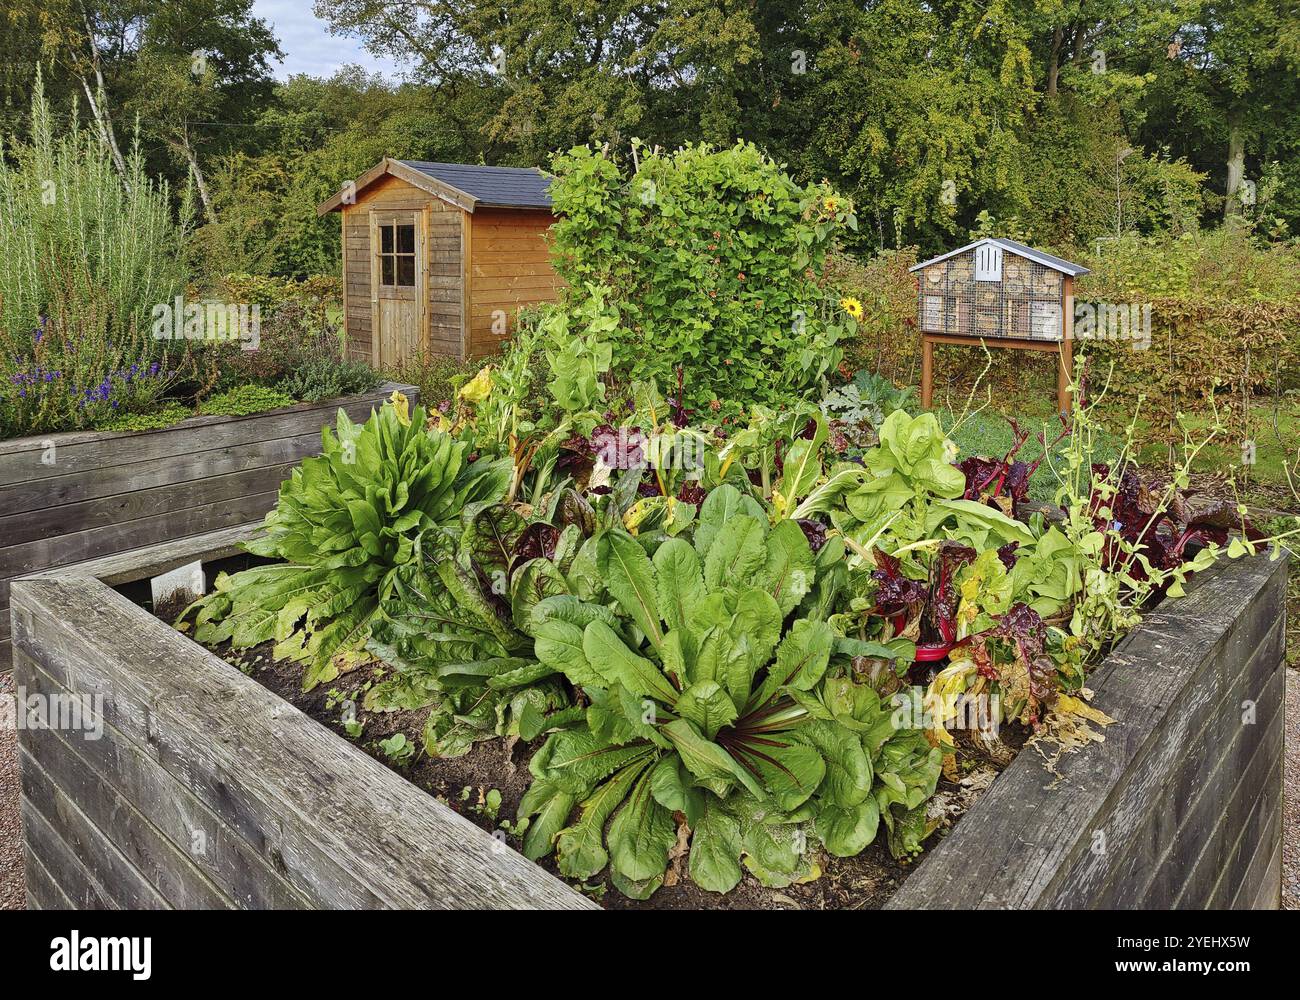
(886,341)
(345,524)
(327,378)
(300,331)
(322,292)
(169,415)
(708,259)
(455,630)
(244,400)
(1224,325)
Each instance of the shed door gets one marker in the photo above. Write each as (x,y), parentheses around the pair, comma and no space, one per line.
(397,243)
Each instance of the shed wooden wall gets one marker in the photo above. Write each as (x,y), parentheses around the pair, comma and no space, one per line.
(443,264)
(510,266)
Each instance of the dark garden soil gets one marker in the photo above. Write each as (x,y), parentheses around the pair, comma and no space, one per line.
(464,784)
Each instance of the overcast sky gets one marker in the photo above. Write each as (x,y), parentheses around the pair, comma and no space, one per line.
(308,46)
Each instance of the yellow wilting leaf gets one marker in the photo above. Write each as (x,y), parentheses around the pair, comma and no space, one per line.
(479,387)
(1067,705)
(348,660)
(641,510)
(401,406)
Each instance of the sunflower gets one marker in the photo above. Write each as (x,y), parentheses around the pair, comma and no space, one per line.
(853,307)
(831,205)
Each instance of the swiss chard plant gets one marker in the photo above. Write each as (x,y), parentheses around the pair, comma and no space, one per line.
(453,632)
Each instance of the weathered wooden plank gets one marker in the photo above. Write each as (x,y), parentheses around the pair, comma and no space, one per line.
(338,818)
(43,892)
(1247,827)
(1231,788)
(1168,795)
(87,866)
(78,546)
(143,564)
(225,870)
(1008,850)
(1268,892)
(155,860)
(132,505)
(79,451)
(79,487)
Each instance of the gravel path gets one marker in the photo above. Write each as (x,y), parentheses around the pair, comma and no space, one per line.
(1291,785)
(13,894)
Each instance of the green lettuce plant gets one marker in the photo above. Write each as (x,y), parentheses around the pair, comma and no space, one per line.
(706,717)
(345,525)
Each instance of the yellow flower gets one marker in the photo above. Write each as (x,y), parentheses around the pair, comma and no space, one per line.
(832,205)
(479,387)
(853,307)
(402,406)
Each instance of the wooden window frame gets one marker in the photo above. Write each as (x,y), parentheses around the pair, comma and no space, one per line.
(395,255)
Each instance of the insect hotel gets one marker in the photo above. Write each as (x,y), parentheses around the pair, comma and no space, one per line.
(438,257)
(1003,294)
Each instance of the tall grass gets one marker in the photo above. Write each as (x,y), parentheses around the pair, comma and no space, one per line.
(85,256)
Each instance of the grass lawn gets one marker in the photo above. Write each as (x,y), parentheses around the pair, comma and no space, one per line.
(989,433)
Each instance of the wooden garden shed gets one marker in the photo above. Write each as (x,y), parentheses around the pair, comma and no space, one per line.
(438,257)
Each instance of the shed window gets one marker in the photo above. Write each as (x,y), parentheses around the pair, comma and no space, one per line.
(397,255)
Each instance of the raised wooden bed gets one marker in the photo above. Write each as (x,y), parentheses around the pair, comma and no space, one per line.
(65,498)
(1181,806)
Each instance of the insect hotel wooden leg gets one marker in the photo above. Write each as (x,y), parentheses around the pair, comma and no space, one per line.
(927,372)
(1065,370)
(1064,375)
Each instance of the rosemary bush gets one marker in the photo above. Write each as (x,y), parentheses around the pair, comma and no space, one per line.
(87,254)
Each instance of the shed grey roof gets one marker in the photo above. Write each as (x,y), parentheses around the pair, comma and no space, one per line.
(492,187)
(1019,249)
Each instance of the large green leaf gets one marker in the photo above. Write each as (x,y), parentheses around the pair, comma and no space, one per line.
(579,849)
(736,554)
(715,851)
(535,581)
(846,831)
(706,760)
(672,789)
(641,835)
(609,656)
(788,571)
(630,577)
(801,660)
(790,771)
(549,806)
(574,760)
(707,705)
(848,769)
(719,507)
(679,582)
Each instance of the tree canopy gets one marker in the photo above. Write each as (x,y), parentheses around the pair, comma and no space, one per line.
(1063,121)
